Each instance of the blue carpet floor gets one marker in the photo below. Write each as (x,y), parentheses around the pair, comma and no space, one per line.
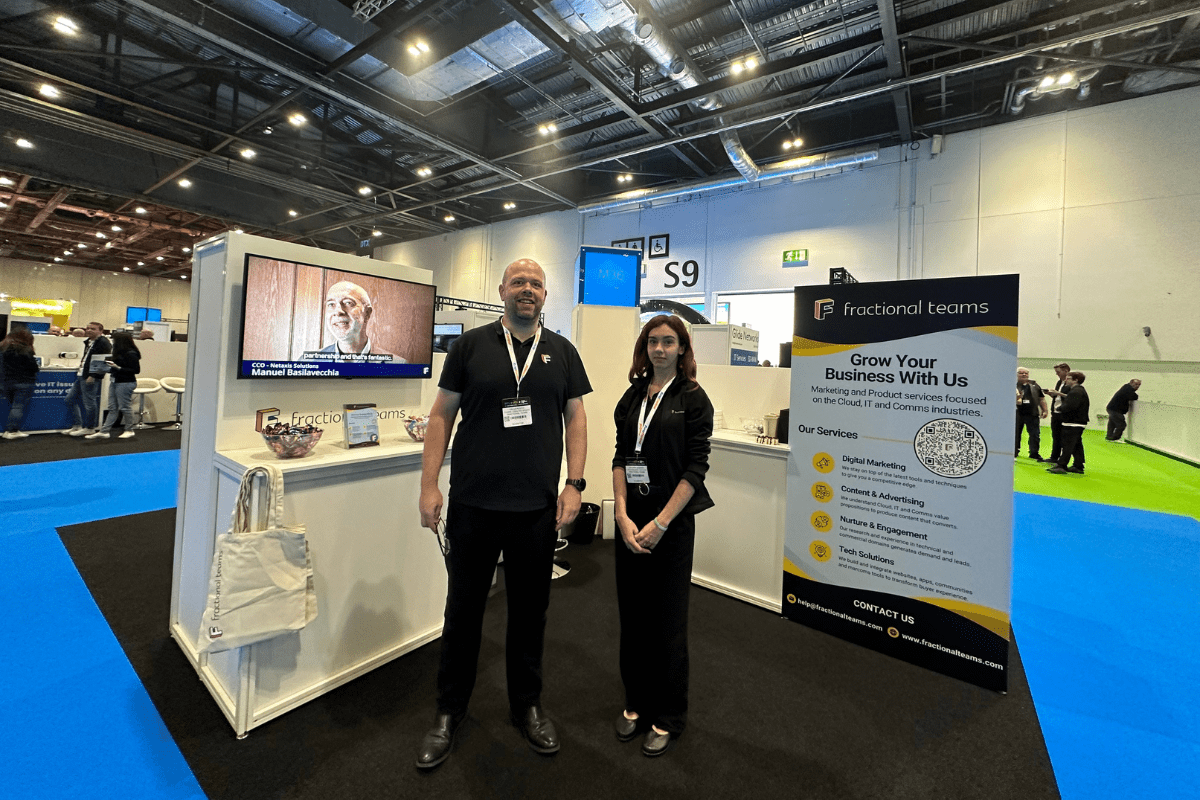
(77,721)
(1105,610)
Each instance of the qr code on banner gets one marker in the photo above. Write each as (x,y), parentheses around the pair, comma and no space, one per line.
(950,448)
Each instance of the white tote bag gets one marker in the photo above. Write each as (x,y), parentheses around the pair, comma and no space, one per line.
(261,582)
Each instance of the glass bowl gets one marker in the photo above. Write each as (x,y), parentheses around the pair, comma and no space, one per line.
(416,427)
(292,445)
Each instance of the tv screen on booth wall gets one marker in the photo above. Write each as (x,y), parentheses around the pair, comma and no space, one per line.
(304,321)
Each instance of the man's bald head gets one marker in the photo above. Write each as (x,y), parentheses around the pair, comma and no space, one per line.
(347,312)
(523,292)
(523,264)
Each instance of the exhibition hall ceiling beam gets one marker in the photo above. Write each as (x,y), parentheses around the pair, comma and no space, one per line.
(1136,66)
(895,67)
(391,22)
(15,197)
(214,26)
(47,209)
(579,61)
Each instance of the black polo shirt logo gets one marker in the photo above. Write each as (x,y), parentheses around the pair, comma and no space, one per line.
(545,358)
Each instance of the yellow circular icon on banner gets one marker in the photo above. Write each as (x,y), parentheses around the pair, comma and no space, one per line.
(892,632)
(820,551)
(821,521)
(791,598)
(823,492)
(823,463)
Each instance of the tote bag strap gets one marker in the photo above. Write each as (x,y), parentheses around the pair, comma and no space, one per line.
(241,522)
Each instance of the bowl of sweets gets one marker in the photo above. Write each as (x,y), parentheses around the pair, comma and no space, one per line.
(416,427)
(291,441)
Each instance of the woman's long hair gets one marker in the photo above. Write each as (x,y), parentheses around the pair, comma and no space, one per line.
(685,367)
(20,340)
(123,342)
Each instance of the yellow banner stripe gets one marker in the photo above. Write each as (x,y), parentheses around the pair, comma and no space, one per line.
(995,621)
(788,566)
(1003,331)
(808,347)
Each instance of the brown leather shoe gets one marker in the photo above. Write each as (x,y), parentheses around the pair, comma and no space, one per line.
(435,747)
(538,730)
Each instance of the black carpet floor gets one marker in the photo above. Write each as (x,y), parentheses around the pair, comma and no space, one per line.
(41,447)
(778,710)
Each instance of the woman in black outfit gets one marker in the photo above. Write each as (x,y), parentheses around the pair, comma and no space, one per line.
(20,375)
(125,364)
(658,483)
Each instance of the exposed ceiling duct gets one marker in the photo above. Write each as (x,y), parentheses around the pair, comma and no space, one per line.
(795,166)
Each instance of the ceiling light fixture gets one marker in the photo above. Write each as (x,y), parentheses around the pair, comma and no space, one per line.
(6,182)
(238,230)
(187,249)
(185,277)
(293,213)
(247,153)
(297,119)
(100,235)
(185,183)
(24,144)
(413,51)
(448,218)
(108,245)
(509,206)
(790,143)
(46,90)
(746,65)
(141,263)
(158,258)
(267,131)
(3,204)
(364,190)
(68,253)
(625,178)
(56,258)
(424,48)
(139,210)
(125,269)
(1047,82)
(1066,78)
(116,228)
(547,129)
(66,25)
(81,246)
(377,233)
(424,172)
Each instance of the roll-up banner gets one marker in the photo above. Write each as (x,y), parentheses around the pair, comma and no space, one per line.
(900,477)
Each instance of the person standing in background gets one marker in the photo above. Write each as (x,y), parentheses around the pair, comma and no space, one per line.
(20,375)
(1058,392)
(1031,410)
(126,363)
(1074,419)
(83,398)
(1118,407)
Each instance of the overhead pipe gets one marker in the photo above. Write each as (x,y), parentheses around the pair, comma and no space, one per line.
(798,166)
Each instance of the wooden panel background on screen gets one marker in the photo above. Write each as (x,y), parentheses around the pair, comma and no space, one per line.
(308,318)
(270,289)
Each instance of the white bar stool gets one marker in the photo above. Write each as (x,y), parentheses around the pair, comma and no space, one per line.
(175,386)
(145,386)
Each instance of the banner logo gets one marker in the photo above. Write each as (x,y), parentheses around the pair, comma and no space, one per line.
(822,308)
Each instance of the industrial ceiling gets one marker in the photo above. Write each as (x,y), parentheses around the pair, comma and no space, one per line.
(336,123)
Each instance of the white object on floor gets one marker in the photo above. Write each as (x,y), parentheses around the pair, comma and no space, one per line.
(127,435)
(97,435)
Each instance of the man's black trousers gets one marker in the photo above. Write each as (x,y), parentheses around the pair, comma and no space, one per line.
(1116,425)
(477,538)
(1034,426)
(652,600)
(1072,445)
(1056,429)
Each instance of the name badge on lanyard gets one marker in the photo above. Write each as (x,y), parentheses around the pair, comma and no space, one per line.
(636,470)
(518,411)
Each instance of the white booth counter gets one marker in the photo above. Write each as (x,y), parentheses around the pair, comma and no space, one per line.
(739,542)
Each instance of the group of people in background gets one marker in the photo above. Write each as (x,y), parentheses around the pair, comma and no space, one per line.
(119,357)
(1069,414)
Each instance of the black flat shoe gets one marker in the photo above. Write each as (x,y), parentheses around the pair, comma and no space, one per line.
(655,743)
(1076,470)
(438,742)
(626,728)
(538,730)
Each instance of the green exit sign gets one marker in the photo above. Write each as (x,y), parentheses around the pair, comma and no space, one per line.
(795,258)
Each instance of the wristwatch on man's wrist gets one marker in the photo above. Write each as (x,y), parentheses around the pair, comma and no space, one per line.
(578,483)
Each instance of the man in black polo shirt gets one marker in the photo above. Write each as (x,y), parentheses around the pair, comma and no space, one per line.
(520,388)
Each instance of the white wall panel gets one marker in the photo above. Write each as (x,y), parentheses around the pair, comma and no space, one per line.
(1136,150)
(1130,265)
(1028,244)
(948,249)
(1021,167)
(947,185)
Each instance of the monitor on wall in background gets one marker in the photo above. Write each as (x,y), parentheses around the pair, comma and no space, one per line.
(135,314)
(609,276)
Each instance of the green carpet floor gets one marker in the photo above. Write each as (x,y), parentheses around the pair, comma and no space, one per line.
(1117,475)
